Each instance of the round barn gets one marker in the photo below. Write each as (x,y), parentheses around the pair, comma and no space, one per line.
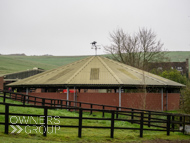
(100,80)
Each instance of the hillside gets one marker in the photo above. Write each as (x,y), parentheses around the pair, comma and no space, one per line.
(12,63)
(179,56)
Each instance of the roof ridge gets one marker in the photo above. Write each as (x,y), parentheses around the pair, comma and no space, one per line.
(67,65)
(79,70)
(55,70)
(111,72)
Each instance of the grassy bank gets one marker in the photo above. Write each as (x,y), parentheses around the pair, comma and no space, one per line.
(71,134)
(11,64)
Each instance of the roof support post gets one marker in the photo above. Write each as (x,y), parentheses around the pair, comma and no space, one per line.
(67,95)
(119,98)
(74,97)
(166,99)
(27,90)
(162,106)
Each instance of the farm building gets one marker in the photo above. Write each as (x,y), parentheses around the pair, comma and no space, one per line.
(13,77)
(117,84)
(182,67)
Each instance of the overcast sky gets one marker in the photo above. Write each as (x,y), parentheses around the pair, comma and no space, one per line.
(67,27)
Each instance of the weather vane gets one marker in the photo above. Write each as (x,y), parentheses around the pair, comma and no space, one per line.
(94,46)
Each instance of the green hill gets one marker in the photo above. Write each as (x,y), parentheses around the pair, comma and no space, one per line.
(11,64)
(14,63)
(178,56)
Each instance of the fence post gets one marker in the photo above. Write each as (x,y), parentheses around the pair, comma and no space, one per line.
(180,121)
(4,97)
(45,122)
(141,124)
(27,99)
(21,98)
(43,101)
(24,100)
(183,124)
(61,103)
(117,109)
(80,123)
(66,103)
(51,102)
(168,124)
(10,95)
(69,105)
(132,117)
(103,111)
(35,100)
(91,109)
(112,123)
(149,118)
(6,119)
(173,119)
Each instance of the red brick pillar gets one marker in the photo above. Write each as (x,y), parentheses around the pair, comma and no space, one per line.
(1,83)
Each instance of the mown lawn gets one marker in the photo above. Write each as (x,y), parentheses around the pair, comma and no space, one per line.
(34,134)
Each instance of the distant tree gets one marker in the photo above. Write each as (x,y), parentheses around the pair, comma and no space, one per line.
(185,98)
(137,50)
(172,74)
(175,75)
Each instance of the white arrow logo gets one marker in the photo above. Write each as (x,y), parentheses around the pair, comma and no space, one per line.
(19,128)
(15,129)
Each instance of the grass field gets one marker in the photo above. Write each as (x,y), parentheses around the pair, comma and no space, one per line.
(11,64)
(70,134)
(179,56)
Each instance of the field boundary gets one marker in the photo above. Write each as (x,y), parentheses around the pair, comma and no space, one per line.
(155,121)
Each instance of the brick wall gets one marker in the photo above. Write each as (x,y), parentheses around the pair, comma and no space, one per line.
(51,95)
(173,101)
(130,100)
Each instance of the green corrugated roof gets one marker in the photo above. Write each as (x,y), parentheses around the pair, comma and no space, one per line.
(95,71)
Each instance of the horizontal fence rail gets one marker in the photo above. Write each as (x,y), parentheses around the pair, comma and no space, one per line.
(61,102)
(80,119)
(159,121)
(140,120)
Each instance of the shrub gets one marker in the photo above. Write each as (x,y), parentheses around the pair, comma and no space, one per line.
(185,92)
(172,74)
(185,105)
